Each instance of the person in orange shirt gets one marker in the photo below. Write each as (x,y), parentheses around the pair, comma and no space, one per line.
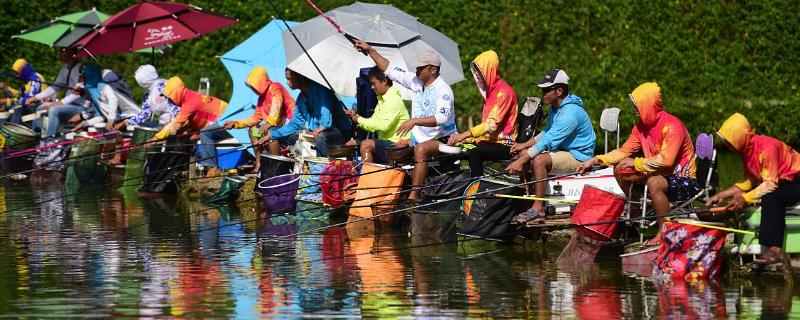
(668,165)
(197,112)
(275,107)
(772,172)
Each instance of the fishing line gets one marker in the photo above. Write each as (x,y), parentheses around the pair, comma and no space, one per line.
(435,203)
(120,181)
(69,160)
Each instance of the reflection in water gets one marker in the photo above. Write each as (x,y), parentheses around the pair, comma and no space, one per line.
(116,255)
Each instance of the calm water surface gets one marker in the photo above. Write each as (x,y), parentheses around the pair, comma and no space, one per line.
(112,254)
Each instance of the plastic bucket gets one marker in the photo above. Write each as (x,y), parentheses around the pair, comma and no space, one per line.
(597,205)
(229,157)
(278,193)
(17,136)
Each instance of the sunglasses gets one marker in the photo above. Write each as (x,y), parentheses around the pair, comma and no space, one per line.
(548,89)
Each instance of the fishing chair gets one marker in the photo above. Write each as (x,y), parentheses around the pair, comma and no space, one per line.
(707,177)
(528,119)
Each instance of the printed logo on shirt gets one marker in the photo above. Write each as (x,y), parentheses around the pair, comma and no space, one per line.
(446,97)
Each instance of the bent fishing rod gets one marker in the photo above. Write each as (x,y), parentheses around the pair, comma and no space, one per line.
(314,63)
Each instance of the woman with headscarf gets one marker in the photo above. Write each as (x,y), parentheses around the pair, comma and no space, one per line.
(497,129)
(197,111)
(668,166)
(275,107)
(772,178)
(34,84)
(153,103)
(111,105)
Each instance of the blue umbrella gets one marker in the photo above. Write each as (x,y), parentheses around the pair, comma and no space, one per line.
(263,48)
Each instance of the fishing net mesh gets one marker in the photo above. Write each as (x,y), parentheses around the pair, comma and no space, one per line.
(580,251)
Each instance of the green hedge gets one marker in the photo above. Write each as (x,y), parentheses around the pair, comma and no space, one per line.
(711,58)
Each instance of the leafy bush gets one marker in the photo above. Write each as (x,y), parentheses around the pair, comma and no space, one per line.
(710,58)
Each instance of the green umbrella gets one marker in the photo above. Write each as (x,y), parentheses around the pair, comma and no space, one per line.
(64,30)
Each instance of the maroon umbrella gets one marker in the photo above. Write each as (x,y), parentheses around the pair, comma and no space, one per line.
(150,24)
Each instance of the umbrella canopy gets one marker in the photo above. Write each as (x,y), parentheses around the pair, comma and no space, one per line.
(150,24)
(263,48)
(64,30)
(395,34)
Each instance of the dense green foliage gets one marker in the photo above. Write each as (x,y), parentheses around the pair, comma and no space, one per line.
(710,58)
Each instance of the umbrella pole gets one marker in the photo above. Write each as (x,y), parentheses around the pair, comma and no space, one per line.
(153,56)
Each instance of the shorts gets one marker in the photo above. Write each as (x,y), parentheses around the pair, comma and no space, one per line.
(681,188)
(563,162)
(381,147)
(289,140)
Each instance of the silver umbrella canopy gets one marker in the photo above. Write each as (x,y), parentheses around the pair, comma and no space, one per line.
(395,34)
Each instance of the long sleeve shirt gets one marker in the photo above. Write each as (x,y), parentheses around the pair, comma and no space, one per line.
(315,108)
(153,103)
(389,114)
(434,100)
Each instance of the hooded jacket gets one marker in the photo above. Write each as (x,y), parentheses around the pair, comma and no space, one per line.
(153,103)
(110,103)
(197,110)
(275,104)
(499,116)
(766,160)
(34,83)
(664,140)
(568,129)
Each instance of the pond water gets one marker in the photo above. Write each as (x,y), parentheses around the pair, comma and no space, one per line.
(112,254)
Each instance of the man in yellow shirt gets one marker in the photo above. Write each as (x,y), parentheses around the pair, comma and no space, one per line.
(388,115)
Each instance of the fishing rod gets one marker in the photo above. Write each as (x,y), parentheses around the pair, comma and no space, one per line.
(71,160)
(314,63)
(22,152)
(437,202)
(100,187)
(259,196)
(467,238)
(330,210)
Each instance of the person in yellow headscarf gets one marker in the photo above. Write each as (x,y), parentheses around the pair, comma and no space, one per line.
(772,178)
(34,84)
(498,127)
(197,111)
(668,165)
(275,107)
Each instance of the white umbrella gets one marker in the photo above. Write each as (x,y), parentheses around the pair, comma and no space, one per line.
(393,33)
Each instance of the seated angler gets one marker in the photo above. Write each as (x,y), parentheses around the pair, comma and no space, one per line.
(389,114)
(318,110)
(197,111)
(111,105)
(432,115)
(497,129)
(34,84)
(567,139)
(153,103)
(668,166)
(275,107)
(772,171)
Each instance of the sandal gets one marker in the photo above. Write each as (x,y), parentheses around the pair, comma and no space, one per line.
(526,216)
(768,258)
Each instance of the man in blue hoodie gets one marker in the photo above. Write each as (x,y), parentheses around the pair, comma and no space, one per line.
(566,141)
(318,110)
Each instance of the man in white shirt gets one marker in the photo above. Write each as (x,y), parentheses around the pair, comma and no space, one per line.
(432,108)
